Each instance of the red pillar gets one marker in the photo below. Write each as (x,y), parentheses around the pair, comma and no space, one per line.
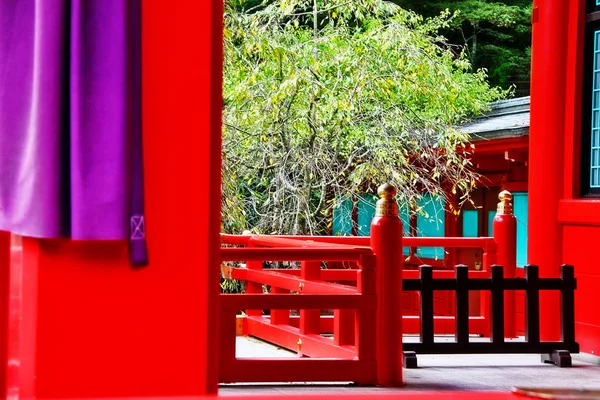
(546,149)
(386,241)
(4,304)
(93,326)
(505,233)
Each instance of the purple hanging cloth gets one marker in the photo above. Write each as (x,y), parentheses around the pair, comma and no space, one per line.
(70,121)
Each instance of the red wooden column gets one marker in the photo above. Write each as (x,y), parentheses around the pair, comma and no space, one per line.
(546,149)
(386,241)
(93,326)
(505,233)
(4,299)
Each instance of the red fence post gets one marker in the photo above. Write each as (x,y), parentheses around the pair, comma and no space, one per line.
(252,287)
(386,241)
(505,233)
(5,258)
(310,320)
(366,320)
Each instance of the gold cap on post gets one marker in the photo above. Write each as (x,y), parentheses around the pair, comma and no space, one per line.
(386,205)
(505,205)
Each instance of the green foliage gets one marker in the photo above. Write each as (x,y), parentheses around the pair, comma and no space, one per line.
(326,102)
(497,35)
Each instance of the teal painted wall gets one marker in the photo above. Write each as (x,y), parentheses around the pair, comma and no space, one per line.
(342,218)
(470,223)
(366,212)
(430,223)
(521,211)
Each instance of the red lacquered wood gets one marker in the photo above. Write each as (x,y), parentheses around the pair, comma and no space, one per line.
(251,287)
(579,212)
(343,327)
(449,274)
(546,151)
(365,241)
(93,326)
(386,240)
(227,335)
(311,345)
(444,325)
(296,302)
(280,317)
(505,233)
(298,241)
(5,258)
(289,282)
(293,254)
(310,319)
(299,370)
(478,325)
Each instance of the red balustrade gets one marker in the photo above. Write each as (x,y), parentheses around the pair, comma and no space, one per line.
(366,342)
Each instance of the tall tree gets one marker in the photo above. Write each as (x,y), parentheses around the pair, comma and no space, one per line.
(496,34)
(324,99)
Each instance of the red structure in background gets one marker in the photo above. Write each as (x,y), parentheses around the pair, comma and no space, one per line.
(82,323)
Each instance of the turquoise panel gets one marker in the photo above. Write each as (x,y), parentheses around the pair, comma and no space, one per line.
(470,223)
(404,212)
(342,218)
(491,215)
(430,223)
(366,212)
(595,136)
(520,210)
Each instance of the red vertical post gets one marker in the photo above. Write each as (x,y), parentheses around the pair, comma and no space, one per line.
(550,44)
(386,241)
(310,320)
(366,320)
(253,287)
(505,233)
(488,258)
(280,317)
(4,298)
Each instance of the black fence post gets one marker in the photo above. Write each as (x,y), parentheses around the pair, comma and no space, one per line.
(462,304)
(532,304)
(426,277)
(567,304)
(497,296)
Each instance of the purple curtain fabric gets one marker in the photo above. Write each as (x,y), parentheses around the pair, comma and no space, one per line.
(70,120)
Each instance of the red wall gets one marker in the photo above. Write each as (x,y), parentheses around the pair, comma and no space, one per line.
(579,247)
(577,219)
(97,327)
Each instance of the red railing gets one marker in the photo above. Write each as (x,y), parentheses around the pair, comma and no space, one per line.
(348,356)
(332,245)
(366,342)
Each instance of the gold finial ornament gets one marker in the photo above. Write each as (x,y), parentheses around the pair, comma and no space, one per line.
(505,205)
(386,205)
(299,345)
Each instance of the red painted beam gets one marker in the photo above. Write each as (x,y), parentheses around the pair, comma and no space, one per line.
(338,275)
(412,324)
(364,241)
(414,274)
(326,274)
(286,336)
(444,325)
(301,241)
(298,302)
(285,281)
(298,370)
(293,254)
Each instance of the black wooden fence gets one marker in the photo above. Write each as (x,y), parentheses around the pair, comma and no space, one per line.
(556,352)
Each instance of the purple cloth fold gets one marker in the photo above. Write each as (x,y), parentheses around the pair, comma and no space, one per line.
(70,120)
